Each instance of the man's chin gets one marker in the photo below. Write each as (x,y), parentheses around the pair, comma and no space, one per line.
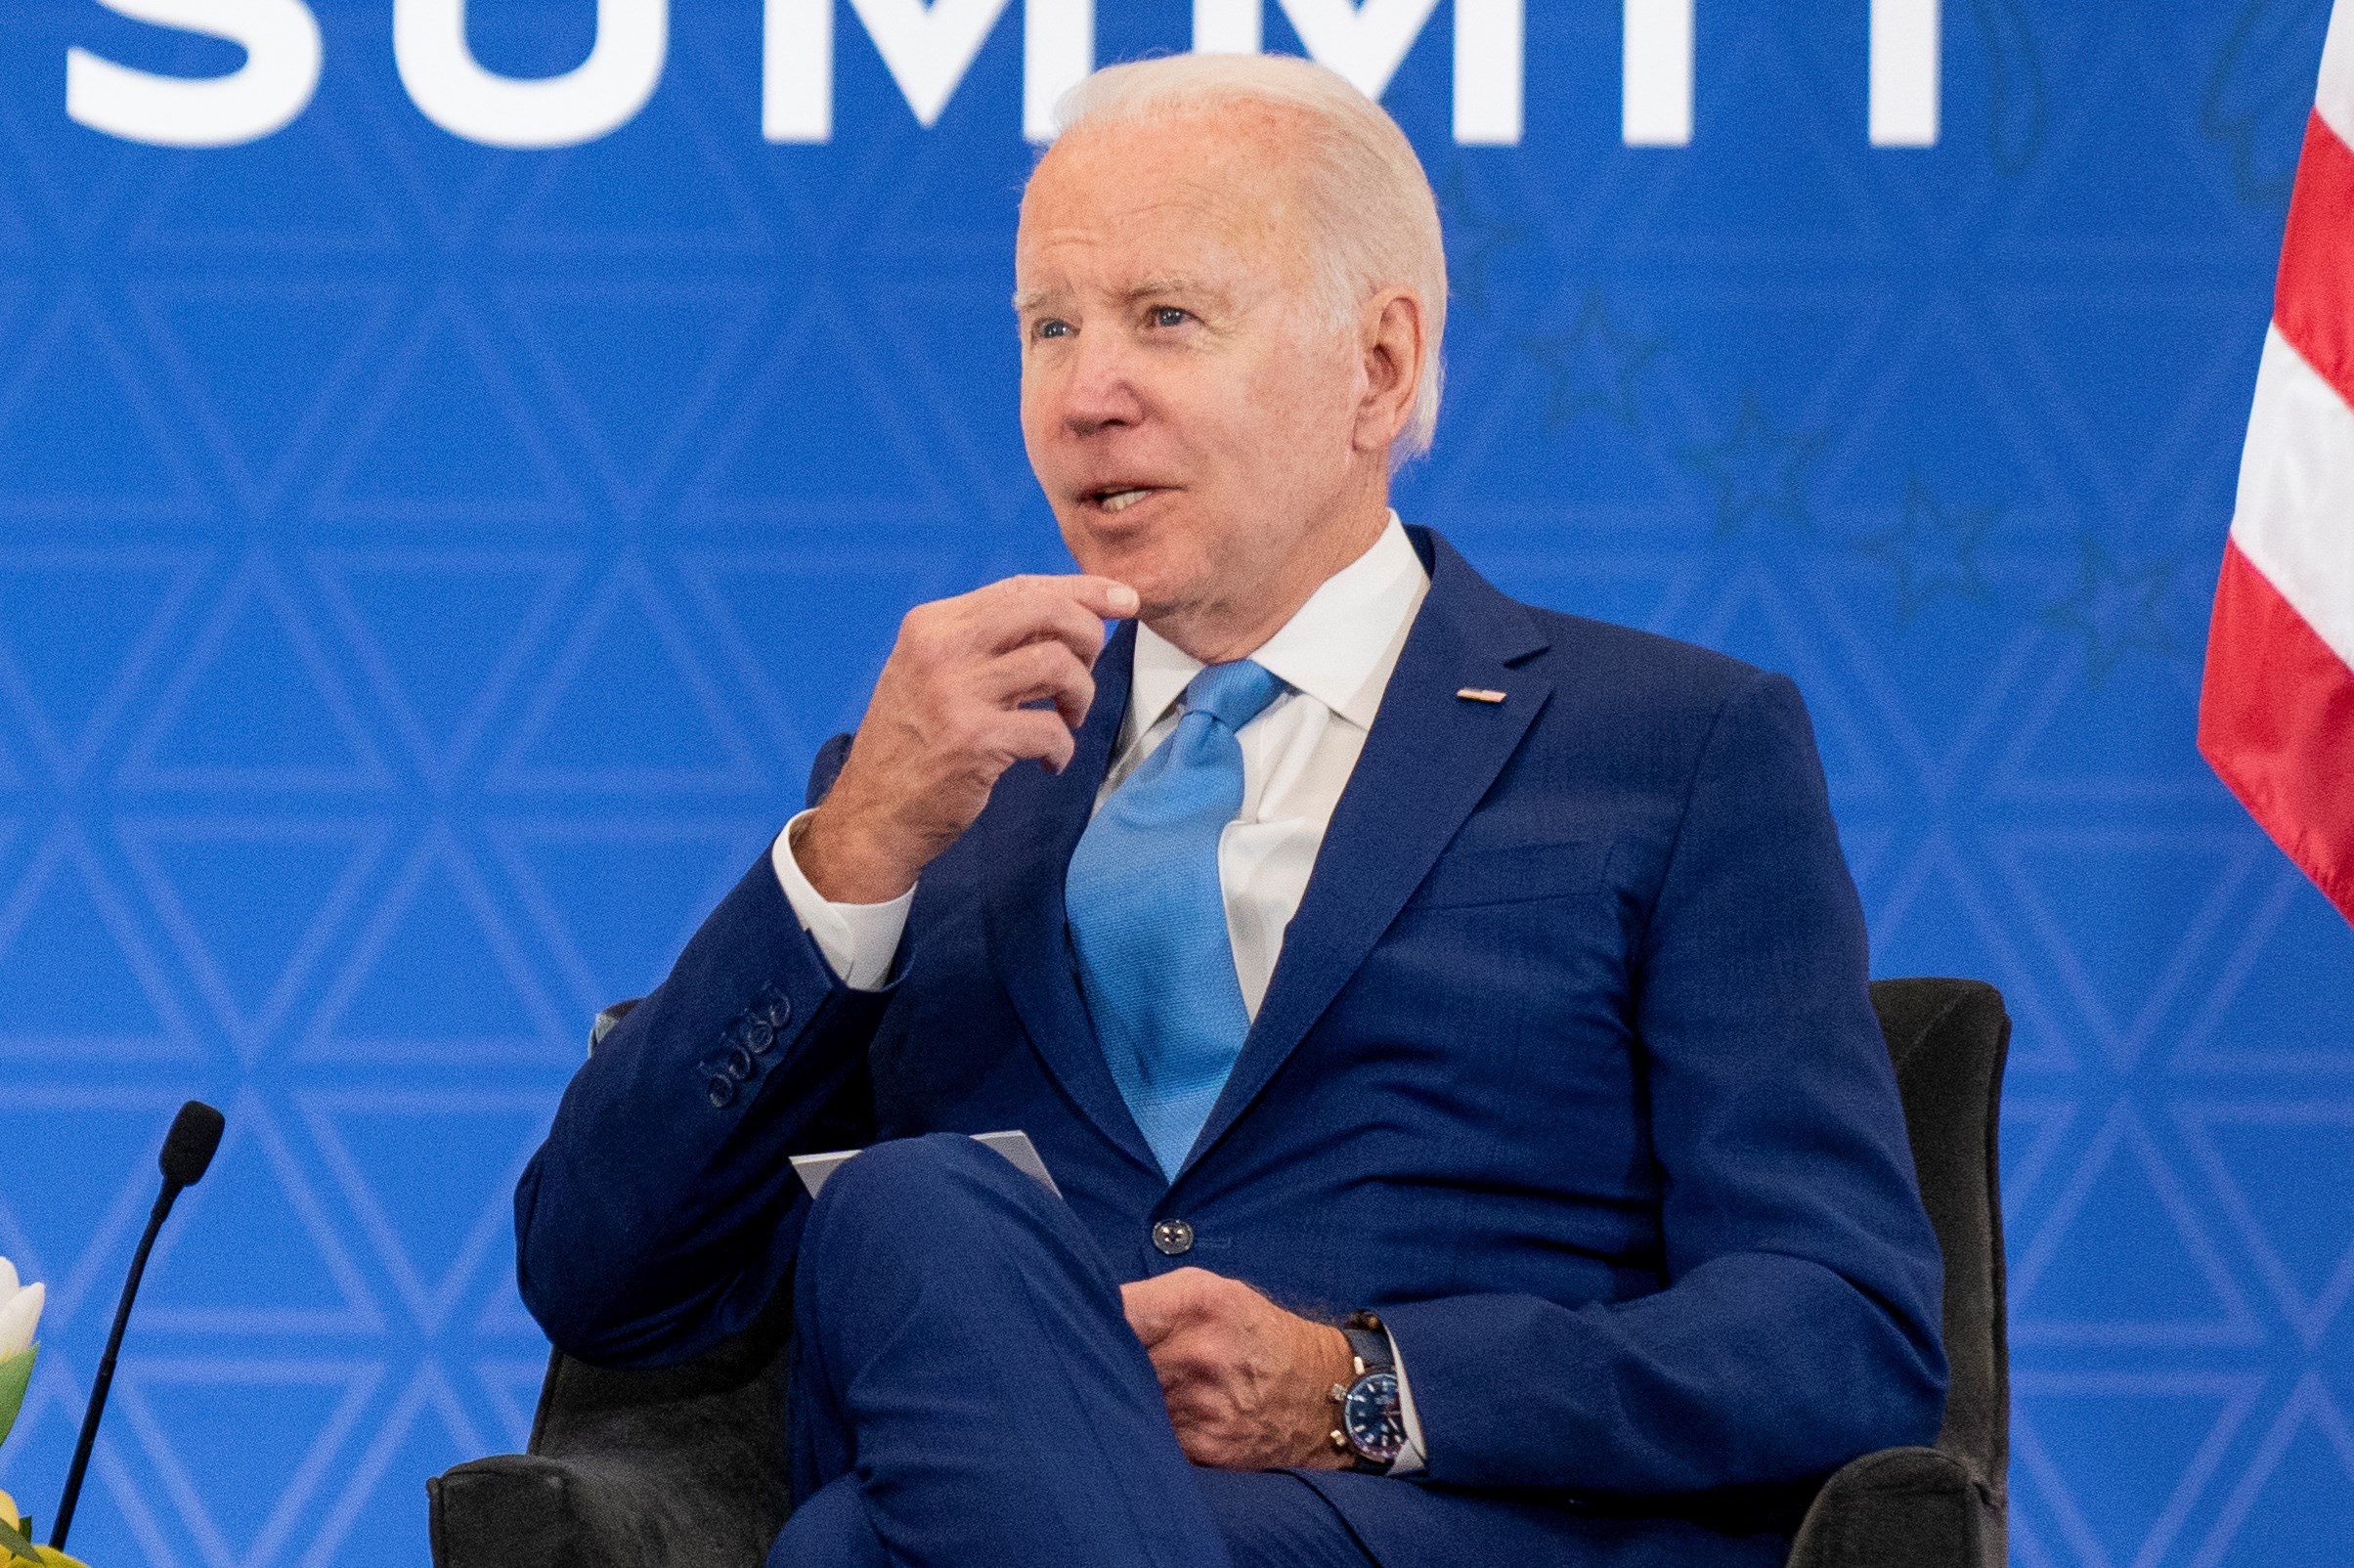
(1139,558)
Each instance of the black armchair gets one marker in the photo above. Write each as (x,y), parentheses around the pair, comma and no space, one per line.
(683,1468)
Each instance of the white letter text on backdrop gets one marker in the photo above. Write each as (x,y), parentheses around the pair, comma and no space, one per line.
(926,49)
(598,98)
(274,84)
(1367,43)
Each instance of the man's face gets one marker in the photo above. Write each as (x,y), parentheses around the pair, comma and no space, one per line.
(1187,405)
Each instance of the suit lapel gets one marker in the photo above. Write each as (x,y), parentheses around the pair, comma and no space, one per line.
(1039,819)
(1428,761)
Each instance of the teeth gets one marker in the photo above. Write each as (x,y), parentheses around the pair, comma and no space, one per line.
(1119,500)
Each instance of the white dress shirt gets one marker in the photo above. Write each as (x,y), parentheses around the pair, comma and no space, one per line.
(1335,657)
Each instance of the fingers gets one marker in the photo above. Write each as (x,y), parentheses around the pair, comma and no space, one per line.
(1160,1306)
(1048,669)
(1070,610)
(1101,596)
(1033,734)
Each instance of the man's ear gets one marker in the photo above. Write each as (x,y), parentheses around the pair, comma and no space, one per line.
(1393,346)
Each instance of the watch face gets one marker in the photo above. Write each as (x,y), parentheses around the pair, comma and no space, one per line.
(1370,1418)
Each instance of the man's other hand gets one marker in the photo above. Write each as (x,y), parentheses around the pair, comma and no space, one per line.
(1248,1384)
(948,718)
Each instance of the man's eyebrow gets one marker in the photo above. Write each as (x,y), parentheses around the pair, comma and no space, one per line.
(1180,285)
(1026,301)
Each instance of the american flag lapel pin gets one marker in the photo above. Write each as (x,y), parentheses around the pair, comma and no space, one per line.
(1480,694)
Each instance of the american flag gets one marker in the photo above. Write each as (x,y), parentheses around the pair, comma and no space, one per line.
(2276,718)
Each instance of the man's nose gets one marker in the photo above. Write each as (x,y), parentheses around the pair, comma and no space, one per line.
(1101,392)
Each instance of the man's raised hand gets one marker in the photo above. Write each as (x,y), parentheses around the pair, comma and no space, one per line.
(948,718)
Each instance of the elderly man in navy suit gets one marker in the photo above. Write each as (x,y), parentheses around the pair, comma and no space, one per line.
(1446,1019)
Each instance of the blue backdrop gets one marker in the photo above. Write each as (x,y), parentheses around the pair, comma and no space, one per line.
(426,569)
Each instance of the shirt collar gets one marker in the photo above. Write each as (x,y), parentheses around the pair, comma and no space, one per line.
(1333,648)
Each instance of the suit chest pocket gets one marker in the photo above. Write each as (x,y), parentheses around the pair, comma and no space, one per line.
(1510,874)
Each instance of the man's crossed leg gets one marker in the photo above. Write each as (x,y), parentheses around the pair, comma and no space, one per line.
(966,1391)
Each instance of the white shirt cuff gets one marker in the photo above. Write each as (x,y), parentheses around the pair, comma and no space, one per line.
(860,940)
(1410,1457)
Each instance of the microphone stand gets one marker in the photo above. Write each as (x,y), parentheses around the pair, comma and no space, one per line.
(188,1150)
(106,1367)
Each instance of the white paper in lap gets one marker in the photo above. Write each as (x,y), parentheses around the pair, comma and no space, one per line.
(1016,1146)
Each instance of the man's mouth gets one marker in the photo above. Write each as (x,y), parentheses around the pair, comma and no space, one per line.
(1120,498)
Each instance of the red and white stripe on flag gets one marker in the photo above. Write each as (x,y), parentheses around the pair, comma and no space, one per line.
(2276,718)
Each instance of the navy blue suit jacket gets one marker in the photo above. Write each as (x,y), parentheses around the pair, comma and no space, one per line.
(1568,1068)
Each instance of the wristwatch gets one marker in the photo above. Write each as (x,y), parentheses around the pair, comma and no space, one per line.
(1368,1422)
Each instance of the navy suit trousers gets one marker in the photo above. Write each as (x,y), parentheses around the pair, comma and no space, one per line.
(967,1390)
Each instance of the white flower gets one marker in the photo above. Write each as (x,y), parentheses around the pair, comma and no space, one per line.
(20,1310)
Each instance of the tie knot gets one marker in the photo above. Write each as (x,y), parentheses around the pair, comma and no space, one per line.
(1234,694)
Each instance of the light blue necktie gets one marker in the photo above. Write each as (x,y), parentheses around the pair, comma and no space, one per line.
(1148,917)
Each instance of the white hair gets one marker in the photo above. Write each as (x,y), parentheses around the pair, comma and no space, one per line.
(1375,220)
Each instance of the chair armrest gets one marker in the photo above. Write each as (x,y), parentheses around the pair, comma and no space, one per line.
(521,1510)
(1916,1507)
(673,1467)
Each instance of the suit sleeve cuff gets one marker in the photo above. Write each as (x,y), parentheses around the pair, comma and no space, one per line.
(1410,1459)
(859,941)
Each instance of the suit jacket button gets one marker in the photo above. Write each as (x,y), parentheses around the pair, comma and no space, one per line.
(1173,1238)
(722,1091)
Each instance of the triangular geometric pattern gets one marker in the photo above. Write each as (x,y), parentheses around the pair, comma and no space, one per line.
(680,344)
(80,978)
(309,192)
(251,903)
(450,437)
(2073,739)
(1937,916)
(79,1185)
(2174,342)
(627,706)
(80,181)
(2120,1460)
(255,705)
(2266,1160)
(2286,1507)
(665,184)
(825,389)
(503,1315)
(78,632)
(114,1522)
(774,612)
(442,634)
(2263,1011)
(2123,1257)
(261,367)
(203,1423)
(436,975)
(611,948)
(2178,885)
(251,1249)
(80,440)
(1752,617)
(374,1520)
(2033,1133)
(431,1175)
(513,1386)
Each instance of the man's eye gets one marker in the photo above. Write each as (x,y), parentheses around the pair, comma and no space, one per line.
(1171,315)
(1051,328)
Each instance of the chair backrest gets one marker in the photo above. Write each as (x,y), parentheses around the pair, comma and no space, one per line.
(1948,1039)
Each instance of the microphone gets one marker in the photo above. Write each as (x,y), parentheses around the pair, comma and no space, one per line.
(187,1150)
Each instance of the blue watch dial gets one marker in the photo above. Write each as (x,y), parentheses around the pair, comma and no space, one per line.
(1371,1418)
